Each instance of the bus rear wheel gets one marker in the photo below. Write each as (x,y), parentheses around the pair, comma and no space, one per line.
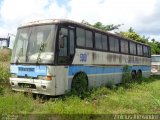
(79,83)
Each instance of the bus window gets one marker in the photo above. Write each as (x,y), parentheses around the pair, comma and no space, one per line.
(80,37)
(139,49)
(71,34)
(145,51)
(132,48)
(114,44)
(124,46)
(89,40)
(98,41)
(104,42)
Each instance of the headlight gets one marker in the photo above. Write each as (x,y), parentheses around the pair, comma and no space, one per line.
(48,77)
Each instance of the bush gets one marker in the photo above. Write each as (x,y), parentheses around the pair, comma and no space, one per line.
(5,55)
(126,76)
(4,75)
(110,84)
(1,90)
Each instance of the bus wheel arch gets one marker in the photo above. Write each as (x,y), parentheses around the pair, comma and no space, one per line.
(79,83)
(133,74)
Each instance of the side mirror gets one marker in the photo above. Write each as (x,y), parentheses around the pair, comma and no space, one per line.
(8,41)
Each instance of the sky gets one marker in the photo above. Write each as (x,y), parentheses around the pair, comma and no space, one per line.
(142,15)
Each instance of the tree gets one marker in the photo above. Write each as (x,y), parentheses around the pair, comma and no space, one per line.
(100,26)
(131,34)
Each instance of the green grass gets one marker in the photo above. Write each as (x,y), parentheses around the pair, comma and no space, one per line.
(134,98)
(141,98)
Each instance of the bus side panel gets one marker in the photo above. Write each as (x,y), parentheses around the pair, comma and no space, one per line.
(90,57)
(98,75)
(102,67)
(61,73)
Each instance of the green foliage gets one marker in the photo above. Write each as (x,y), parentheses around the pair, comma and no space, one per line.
(126,75)
(1,90)
(100,26)
(4,75)
(41,49)
(131,34)
(155,46)
(110,27)
(80,85)
(138,99)
(110,84)
(5,55)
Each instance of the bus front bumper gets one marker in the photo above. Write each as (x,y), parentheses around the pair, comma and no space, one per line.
(33,86)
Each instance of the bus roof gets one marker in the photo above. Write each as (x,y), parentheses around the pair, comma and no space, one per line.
(56,21)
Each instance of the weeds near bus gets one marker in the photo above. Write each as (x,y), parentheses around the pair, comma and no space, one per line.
(4,69)
(110,84)
(141,98)
(5,55)
(80,85)
(4,75)
(126,75)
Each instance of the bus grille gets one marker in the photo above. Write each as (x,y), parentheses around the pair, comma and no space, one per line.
(27,85)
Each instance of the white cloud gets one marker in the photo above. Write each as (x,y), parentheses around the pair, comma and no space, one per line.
(127,12)
(142,15)
(15,12)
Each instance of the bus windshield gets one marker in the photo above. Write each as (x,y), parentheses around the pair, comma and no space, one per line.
(34,45)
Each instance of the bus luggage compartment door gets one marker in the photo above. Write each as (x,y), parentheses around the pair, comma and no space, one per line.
(61,79)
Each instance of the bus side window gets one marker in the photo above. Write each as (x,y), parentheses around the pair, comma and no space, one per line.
(104,42)
(80,37)
(98,41)
(124,46)
(132,48)
(89,39)
(114,44)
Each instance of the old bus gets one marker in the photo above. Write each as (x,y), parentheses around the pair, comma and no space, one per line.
(49,57)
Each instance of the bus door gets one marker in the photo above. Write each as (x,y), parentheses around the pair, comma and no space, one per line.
(65,54)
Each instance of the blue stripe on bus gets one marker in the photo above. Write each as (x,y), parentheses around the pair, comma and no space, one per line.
(103,70)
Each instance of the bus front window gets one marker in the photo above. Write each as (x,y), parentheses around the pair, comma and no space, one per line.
(36,45)
(20,46)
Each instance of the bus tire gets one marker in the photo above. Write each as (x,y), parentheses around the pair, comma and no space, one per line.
(139,74)
(79,83)
(133,74)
